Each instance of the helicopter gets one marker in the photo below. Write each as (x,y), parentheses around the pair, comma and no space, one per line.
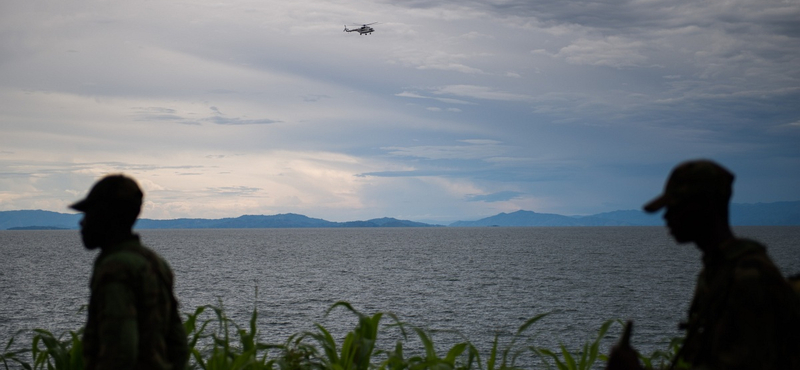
(365,29)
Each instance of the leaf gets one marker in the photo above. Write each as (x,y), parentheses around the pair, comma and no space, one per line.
(568,358)
(454,352)
(430,352)
(530,322)
(561,365)
(492,354)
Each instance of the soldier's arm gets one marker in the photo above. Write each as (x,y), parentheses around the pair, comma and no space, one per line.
(118,335)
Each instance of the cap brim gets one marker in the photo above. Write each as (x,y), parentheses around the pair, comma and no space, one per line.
(81,206)
(656,204)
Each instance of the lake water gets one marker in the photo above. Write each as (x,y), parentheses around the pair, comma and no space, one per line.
(471,282)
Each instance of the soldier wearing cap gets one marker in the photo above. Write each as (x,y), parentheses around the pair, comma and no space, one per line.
(743,311)
(133,322)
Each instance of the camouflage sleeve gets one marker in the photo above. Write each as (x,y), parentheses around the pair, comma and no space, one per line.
(117,334)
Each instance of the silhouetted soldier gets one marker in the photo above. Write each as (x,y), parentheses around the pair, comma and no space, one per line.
(744,313)
(133,320)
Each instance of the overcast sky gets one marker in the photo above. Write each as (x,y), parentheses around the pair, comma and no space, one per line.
(451,110)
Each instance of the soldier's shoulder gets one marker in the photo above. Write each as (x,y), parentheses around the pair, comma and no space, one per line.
(751,251)
(749,243)
(746,252)
(124,261)
(152,257)
(754,266)
(743,246)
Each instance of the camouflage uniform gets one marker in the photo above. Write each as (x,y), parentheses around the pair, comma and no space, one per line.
(742,315)
(133,320)
(133,314)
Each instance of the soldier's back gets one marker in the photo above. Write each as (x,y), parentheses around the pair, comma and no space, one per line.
(132,295)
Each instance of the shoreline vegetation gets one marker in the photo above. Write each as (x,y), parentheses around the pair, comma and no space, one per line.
(218,343)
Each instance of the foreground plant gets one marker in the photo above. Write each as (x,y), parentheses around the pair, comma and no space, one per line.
(583,360)
(218,343)
(47,352)
(218,350)
(12,356)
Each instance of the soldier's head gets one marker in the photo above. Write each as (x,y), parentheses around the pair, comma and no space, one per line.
(110,209)
(696,196)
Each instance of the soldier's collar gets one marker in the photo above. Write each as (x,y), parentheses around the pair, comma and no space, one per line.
(735,247)
(133,239)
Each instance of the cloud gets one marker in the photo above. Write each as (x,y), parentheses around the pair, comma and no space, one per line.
(172,115)
(408,94)
(614,51)
(481,141)
(494,197)
(480,92)
(410,173)
(472,35)
(315,97)
(160,114)
(219,120)
(475,149)
(235,191)
(435,59)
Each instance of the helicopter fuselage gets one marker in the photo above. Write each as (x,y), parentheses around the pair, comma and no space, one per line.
(363,30)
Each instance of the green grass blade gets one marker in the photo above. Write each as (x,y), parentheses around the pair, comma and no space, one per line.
(568,359)
(583,362)
(530,322)
(328,344)
(345,305)
(594,349)
(561,365)
(492,354)
(430,352)
(76,351)
(454,352)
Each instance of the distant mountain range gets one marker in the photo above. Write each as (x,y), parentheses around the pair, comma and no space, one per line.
(18,220)
(529,218)
(758,214)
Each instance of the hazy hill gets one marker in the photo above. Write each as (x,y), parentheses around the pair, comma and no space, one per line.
(632,217)
(29,219)
(286,220)
(529,218)
(758,214)
(778,214)
(49,220)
